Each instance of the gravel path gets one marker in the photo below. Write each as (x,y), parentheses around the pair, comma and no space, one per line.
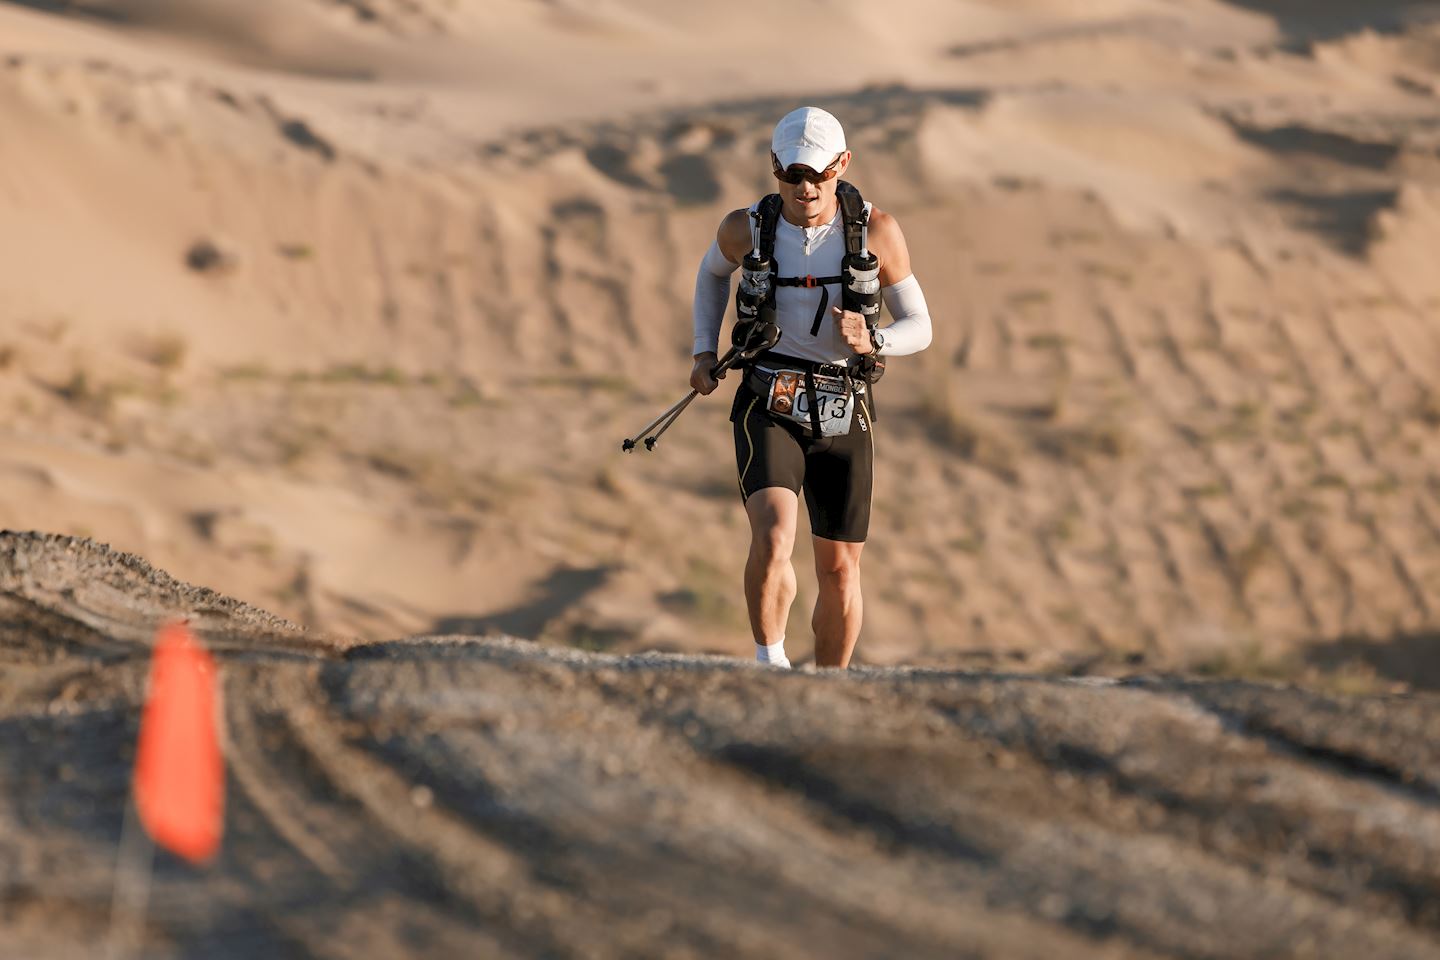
(455,796)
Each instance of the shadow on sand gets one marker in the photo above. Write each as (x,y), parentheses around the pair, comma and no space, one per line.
(554,594)
(1411,658)
(1314,21)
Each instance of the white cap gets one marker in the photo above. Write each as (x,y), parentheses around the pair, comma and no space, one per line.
(808,135)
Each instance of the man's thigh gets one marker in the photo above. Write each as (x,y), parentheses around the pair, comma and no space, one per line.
(839,482)
(767,454)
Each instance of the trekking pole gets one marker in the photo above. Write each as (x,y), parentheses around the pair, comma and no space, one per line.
(650,441)
(673,413)
(629,445)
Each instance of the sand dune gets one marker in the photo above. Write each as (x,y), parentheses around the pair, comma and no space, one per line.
(322,306)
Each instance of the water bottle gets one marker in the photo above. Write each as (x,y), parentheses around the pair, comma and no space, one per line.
(861,272)
(752,296)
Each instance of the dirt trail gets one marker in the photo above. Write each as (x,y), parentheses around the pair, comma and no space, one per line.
(459,796)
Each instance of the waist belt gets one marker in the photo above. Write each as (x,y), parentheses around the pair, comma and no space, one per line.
(758,381)
(770,358)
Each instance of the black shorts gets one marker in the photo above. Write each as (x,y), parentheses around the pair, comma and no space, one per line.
(836,473)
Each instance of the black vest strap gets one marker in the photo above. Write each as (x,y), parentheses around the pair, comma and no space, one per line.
(852,211)
(807,281)
(769,210)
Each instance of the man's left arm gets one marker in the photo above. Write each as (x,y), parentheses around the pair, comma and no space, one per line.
(910,330)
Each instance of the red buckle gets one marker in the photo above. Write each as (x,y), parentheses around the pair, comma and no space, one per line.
(809,280)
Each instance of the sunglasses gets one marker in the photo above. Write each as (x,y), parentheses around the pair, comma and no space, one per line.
(797,172)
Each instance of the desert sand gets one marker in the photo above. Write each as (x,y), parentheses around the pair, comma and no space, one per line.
(343,308)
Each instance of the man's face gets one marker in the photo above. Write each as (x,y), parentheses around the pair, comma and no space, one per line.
(806,200)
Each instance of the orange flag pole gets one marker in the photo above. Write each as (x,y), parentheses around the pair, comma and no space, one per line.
(178,784)
(179,774)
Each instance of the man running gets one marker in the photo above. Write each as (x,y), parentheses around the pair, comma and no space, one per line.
(802,413)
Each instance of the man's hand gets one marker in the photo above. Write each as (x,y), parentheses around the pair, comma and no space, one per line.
(700,378)
(853,329)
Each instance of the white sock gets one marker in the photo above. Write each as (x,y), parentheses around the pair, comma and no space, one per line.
(773,654)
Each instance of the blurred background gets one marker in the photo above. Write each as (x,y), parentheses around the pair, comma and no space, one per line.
(342,307)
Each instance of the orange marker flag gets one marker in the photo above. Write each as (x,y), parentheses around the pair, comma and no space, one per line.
(179,773)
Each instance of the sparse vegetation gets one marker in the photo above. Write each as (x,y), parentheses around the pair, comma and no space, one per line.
(359,373)
(1427,408)
(295,442)
(1062,238)
(1385,486)
(952,426)
(194,451)
(85,395)
(586,636)
(1068,614)
(1081,442)
(1247,659)
(1061,527)
(1299,508)
(608,480)
(971,545)
(53,330)
(1047,341)
(1030,297)
(1205,491)
(210,256)
(1105,271)
(246,371)
(466,394)
(295,251)
(1054,408)
(708,595)
(164,351)
(440,483)
(1247,561)
(1245,423)
(1340,428)
(599,382)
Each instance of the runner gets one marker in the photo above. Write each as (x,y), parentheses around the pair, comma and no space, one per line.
(804,411)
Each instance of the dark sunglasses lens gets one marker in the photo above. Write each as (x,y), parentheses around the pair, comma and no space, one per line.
(795,175)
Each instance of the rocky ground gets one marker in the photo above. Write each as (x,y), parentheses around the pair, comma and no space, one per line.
(463,796)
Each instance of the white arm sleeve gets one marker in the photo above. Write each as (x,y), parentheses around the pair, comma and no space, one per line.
(910,331)
(712,296)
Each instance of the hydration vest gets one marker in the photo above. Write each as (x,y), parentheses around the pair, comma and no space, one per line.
(859,280)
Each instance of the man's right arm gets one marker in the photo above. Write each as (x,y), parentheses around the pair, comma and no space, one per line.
(712,295)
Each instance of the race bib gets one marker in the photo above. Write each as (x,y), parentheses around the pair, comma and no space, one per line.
(833,397)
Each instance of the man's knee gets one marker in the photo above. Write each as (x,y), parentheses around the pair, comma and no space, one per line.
(838,569)
(773,544)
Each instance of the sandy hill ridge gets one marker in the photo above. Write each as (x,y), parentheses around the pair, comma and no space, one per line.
(438,796)
(348,313)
